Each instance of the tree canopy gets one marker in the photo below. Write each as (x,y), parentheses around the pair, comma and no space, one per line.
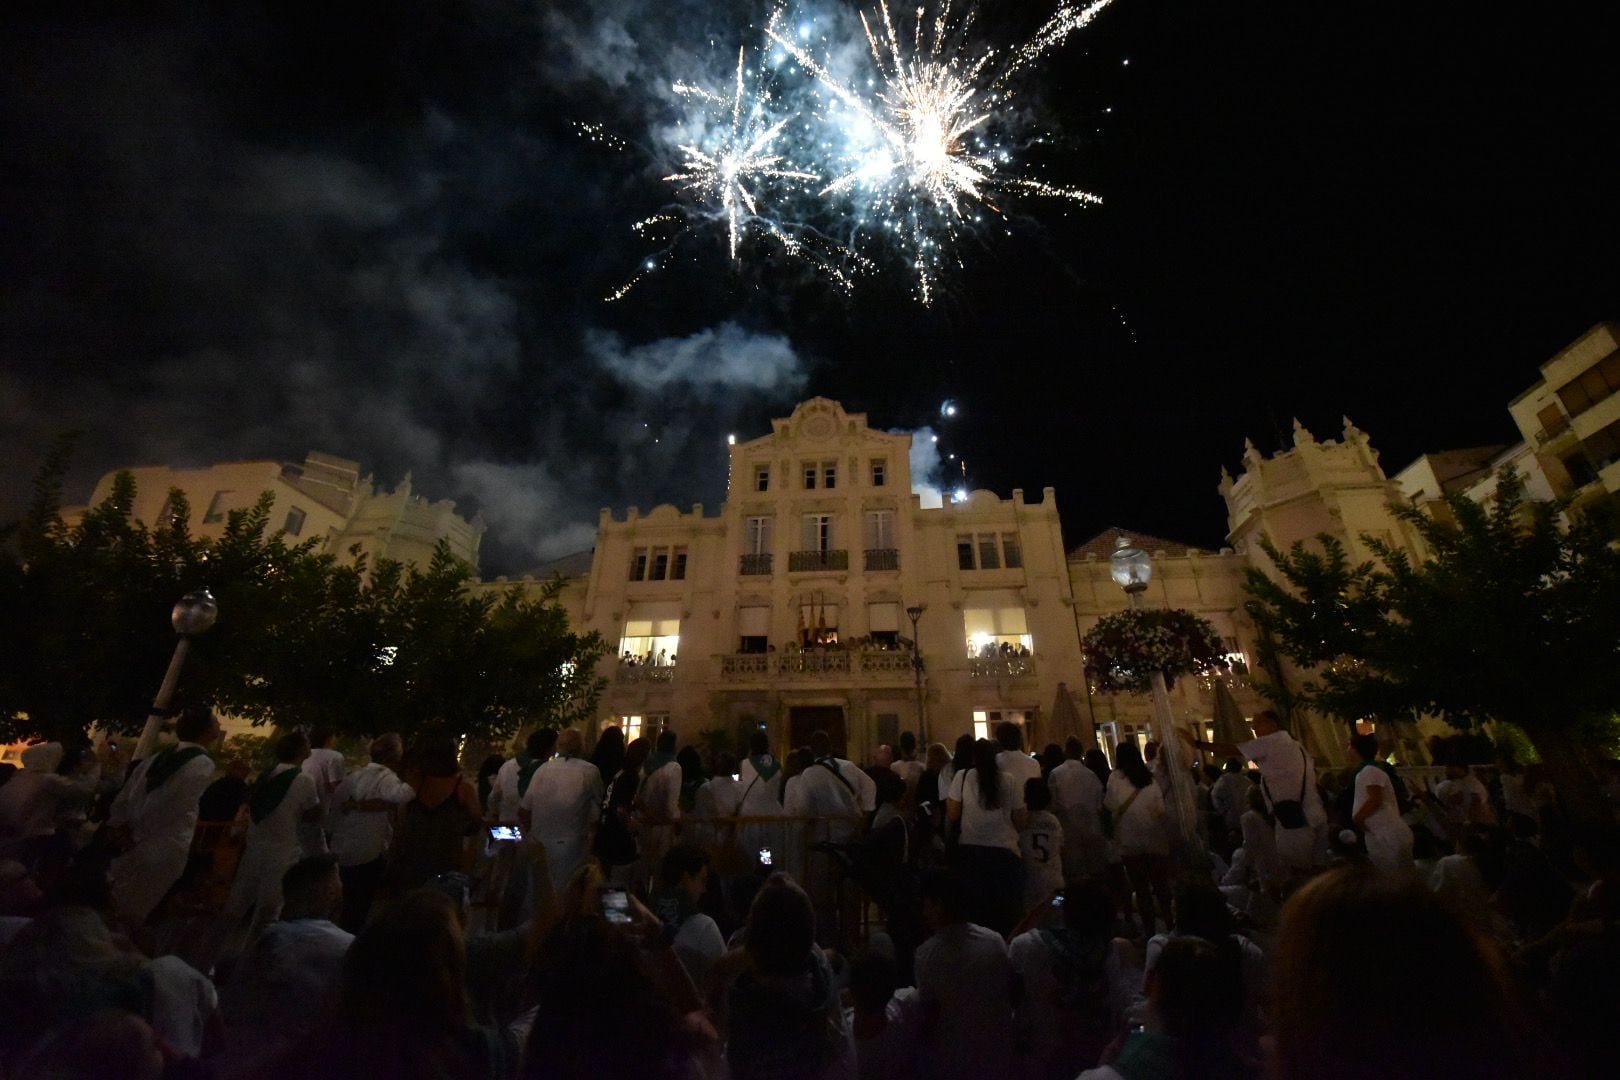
(302,638)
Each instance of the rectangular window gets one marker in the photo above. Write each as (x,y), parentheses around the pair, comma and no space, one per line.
(964,553)
(677,570)
(989,558)
(1012,556)
(650,641)
(888,728)
(880,530)
(998,631)
(829,475)
(638,565)
(818,532)
(880,472)
(810,473)
(216,508)
(758,538)
(660,568)
(1552,420)
(295,522)
(762,478)
(754,621)
(631,726)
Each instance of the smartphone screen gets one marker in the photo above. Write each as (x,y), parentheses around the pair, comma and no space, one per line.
(505,832)
(616,905)
(765,856)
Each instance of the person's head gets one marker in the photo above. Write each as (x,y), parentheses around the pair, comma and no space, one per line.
(1233,764)
(1037,794)
(1074,749)
(908,745)
(1097,762)
(636,754)
(666,741)
(1265,722)
(1089,909)
(292,748)
(1195,995)
(388,749)
(112,1044)
(1150,751)
(883,756)
(1009,736)
(725,763)
(944,898)
(436,755)
(691,763)
(685,870)
(759,743)
(311,888)
(1455,771)
(407,970)
(962,757)
(1352,944)
(1129,760)
(989,776)
(820,744)
(1051,757)
(1200,910)
(938,757)
(541,743)
(890,787)
(197,724)
(1364,747)
(320,737)
(610,744)
(781,928)
(570,742)
(873,979)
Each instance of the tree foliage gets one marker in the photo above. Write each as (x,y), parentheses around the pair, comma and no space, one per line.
(1125,648)
(302,637)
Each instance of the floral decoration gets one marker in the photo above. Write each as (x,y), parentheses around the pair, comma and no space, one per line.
(1124,649)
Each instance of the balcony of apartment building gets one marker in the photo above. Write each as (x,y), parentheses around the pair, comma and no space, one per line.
(879,559)
(817,560)
(756,564)
(636,669)
(864,661)
(1016,666)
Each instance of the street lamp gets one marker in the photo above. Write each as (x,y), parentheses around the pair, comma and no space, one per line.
(914,612)
(1132,569)
(193,614)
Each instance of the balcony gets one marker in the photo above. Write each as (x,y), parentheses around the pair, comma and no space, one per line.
(1002,667)
(745,665)
(756,565)
(882,559)
(810,561)
(643,673)
(853,664)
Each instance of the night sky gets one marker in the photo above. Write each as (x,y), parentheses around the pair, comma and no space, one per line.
(372,228)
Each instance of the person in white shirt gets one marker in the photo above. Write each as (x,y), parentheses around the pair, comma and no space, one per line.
(285,812)
(964,985)
(677,899)
(907,767)
(1230,795)
(155,816)
(835,791)
(1376,814)
(989,806)
(561,808)
(514,776)
(1136,805)
(718,797)
(325,766)
(280,988)
(1077,801)
(361,820)
(1011,758)
(1040,843)
(884,1018)
(659,803)
(1287,775)
(1464,800)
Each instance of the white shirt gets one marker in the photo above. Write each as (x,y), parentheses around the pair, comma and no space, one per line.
(1041,844)
(825,795)
(963,975)
(661,794)
(718,797)
(361,836)
(1139,829)
(760,797)
(698,944)
(1280,759)
(564,799)
(503,793)
(985,826)
(1260,843)
(910,772)
(163,822)
(1042,1013)
(1230,797)
(1388,815)
(1076,799)
(326,768)
(1458,797)
(183,999)
(1018,765)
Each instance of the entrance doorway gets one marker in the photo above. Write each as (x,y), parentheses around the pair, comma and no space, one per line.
(804,719)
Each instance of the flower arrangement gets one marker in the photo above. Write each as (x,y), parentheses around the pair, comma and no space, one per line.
(1124,649)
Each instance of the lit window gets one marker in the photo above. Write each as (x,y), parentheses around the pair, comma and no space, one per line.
(631,726)
(762,478)
(295,522)
(216,508)
(981,724)
(650,641)
(880,471)
(997,632)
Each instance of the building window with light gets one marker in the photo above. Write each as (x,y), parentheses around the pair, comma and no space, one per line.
(880,472)
(650,641)
(997,627)
(985,722)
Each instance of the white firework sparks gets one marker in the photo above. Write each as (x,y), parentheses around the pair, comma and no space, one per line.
(730,174)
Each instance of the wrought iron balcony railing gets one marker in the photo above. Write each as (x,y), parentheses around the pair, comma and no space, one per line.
(756,564)
(800,561)
(882,559)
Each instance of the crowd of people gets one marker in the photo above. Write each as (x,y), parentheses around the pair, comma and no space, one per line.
(649,910)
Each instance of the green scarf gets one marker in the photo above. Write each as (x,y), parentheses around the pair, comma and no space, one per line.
(657,760)
(170,762)
(526,769)
(268,792)
(765,765)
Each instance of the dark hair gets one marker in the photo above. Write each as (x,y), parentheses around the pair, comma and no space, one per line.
(984,767)
(608,753)
(490,766)
(759,743)
(890,788)
(635,756)
(908,743)
(1089,908)
(725,763)
(945,888)
(1365,745)
(820,743)
(436,755)
(1097,762)
(193,723)
(691,763)
(540,743)
(1128,759)
(320,735)
(681,862)
(962,759)
(1200,910)
(873,979)
(1233,764)
(1073,748)
(1037,794)
(406,971)
(1009,735)
(781,927)
(301,884)
(666,741)
(289,746)
(1196,999)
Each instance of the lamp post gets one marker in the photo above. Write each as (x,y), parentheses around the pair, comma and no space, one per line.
(193,614)
(1132,569)
(914,612)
